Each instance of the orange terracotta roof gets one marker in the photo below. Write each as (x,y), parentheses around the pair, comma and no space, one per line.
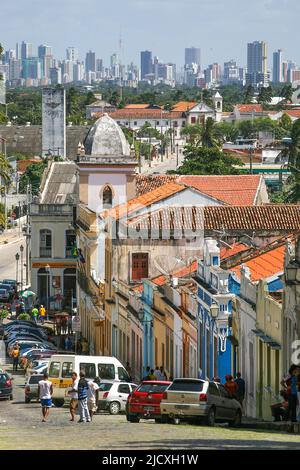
(227,252)
(137,106)
(248,108)
(293,113)
(145,200)
(264,265)
(184,106)
(131,114)
(233,189)
(144,184)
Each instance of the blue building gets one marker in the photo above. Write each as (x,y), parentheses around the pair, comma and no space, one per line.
(147,323)
(215,350)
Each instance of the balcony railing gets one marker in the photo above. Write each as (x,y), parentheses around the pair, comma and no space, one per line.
(51,209)
(45,252)
(87,219)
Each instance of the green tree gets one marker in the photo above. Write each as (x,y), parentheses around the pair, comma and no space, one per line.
(265,95)
(249,93)
(208,135)
(33,175)
(226,131)
(193,133)
(286,92)
(286,123)
(5,170)
(208,161)
(294,164)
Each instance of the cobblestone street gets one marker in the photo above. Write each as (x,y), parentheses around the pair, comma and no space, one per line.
(21,428)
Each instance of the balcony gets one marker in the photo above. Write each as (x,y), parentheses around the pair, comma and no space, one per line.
(87,219)
(45,252)
(51,210)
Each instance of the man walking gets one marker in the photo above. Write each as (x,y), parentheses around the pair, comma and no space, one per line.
(93,396)
(240,394)
(15,356)
(45,391)
(74,395)
(35,314)
(230,385)
(42,314)
(82,399)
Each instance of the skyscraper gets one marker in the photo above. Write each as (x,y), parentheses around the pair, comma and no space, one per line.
(26,50)
(72,54)
(192,56)
(90,62)
(257,63)
(44,51)
(277,66)
(146,63)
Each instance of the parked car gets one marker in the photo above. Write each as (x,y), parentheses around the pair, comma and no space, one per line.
(31,388)
(4,295)
(112,396)
(144,402)
(9,287)
(6,388)
(12,282)
(203,399)
(38,367)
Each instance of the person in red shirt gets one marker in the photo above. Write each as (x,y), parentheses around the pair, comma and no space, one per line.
(230,385)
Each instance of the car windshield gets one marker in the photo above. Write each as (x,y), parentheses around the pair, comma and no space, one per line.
(104,387)
(186,386)
(34,379)
(3,379)
(152,388)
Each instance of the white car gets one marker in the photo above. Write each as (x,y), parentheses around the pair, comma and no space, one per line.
(112,396)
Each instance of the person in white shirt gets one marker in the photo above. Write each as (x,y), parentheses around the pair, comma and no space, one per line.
(45,391)
(73,393)
(157,373)
(92,395)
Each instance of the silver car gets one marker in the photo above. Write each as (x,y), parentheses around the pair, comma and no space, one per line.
(195,398)
(112,396)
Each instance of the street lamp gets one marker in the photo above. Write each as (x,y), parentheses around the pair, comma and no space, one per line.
(47,269)
(22,266)
(291,273)
(177,162)
(214,310)
(17,267)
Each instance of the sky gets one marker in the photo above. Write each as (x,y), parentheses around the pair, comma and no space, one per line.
(221,28)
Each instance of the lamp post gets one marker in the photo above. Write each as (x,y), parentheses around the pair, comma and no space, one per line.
(22,265)
(291,273)
(214,310)
(17,267)
(177,162)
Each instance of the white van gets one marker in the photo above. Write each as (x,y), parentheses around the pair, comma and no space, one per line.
(61,366)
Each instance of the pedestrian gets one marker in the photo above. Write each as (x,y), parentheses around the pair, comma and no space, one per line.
(128,369)
(15,356)
(151,375)
(35,314)
(162,374)
(73,393)
(146,377)
(240,394)
(291,383)
(84,347)
(280,410)
(231,386)
(82,399)
(93,395)
(157,372)
(42,314)
(216,379)
(68,344)
(45,392)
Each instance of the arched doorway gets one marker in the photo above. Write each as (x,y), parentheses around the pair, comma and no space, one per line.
(69,286)
(107,197)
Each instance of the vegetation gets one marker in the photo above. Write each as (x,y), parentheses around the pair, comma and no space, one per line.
(24,316)
(33,175)
(294,164)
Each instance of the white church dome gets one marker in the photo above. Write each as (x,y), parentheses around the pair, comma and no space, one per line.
(106,138)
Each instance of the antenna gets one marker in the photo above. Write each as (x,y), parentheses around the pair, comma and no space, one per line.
(168,265)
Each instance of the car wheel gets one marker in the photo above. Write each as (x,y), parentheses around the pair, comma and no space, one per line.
(176,420)
(58,402)
(164,419)
(211,417)
(237,420)
(133,418)
(114,408)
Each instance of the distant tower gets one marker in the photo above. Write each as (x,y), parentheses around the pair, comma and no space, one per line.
(218,105)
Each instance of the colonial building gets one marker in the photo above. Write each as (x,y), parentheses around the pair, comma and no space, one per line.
(52,217)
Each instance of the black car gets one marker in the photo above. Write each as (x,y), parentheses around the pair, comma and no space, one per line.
(6,389)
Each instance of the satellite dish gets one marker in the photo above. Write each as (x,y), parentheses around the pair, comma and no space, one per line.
(167,265)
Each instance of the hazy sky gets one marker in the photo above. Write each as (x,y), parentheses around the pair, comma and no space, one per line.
(221,28)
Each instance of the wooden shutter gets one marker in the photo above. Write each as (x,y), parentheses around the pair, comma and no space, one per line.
(139,266)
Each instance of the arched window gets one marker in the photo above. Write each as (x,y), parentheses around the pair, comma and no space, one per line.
(45,243)
(107,196)
(70,243)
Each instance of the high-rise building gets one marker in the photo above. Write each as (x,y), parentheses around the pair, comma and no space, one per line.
(146,63)
(44,50)
(72,54)
(26,50)
(78,72)
(55,76)
(277,67)
(90,62)
(257,63)
(15,68)
(192,56)
(32,68)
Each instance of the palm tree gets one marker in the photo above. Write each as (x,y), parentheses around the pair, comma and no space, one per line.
(208,135)
(5,170)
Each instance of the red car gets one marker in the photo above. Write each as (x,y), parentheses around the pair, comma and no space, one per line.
(144,402)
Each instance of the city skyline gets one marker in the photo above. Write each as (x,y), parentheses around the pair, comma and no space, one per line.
(202,31)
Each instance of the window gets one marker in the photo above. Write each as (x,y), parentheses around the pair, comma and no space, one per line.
(187,386)
(139,266)
(123,388)
(135,123)
(45,243)
(106,371)
(157,123)
(107,197)
(104,387)
(67,369)
(89,370)
(54,369)
(193,120)
(213,389)
(70,242)
(123,375)
(152,388)
(216,261)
